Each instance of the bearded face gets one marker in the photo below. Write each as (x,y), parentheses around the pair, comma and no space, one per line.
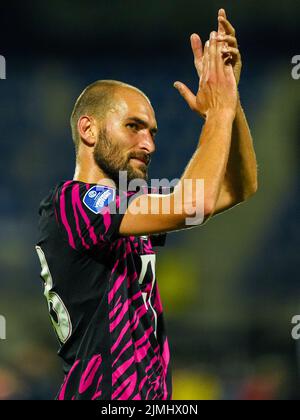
(110,157)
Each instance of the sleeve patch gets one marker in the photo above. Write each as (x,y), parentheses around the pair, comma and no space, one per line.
(98,197)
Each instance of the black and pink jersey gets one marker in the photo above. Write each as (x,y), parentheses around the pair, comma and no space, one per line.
(103,297)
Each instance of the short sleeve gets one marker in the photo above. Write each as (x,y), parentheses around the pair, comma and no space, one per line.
(89,215)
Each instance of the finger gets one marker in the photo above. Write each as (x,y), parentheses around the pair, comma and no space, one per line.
(221,27)
(220,60)
(187,94)
(204,67)
(229,29)
(222,12)
(234,52)
(231,40)
(196,45)
(212,51)
(205,64)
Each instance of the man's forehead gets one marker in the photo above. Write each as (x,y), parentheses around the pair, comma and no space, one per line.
(129,102)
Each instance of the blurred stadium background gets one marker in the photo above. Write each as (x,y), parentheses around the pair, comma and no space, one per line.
(231,288)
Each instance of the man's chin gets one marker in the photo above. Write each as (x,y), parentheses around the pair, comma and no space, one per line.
(137,173)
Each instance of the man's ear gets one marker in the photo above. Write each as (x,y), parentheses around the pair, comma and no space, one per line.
(86,130)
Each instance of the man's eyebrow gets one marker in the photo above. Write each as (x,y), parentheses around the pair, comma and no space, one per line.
(143,123)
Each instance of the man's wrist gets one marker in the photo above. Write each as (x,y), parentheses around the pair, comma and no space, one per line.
(225,116)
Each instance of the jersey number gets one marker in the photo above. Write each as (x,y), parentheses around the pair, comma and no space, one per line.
(59,315)
(149,259)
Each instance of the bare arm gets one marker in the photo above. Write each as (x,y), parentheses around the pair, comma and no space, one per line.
(240,181)
(217,100)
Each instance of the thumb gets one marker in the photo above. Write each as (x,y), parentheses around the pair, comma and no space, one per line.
(185,92)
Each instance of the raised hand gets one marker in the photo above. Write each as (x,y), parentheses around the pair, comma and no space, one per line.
(217,90)
(227,36)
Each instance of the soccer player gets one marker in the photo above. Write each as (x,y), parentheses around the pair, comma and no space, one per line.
(98,263)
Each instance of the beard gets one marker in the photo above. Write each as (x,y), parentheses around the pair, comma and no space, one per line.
(111,160)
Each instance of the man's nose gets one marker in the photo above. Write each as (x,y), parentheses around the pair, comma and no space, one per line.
(147,142)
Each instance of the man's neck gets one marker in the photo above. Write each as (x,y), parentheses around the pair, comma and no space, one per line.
(92,175)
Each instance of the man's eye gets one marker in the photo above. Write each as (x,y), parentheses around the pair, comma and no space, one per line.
(132,125)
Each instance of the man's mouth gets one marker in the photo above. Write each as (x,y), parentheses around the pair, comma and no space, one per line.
(139,160)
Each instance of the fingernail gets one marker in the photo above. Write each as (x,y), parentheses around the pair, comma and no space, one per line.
(213,35)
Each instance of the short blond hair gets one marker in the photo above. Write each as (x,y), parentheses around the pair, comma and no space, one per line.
(96,100)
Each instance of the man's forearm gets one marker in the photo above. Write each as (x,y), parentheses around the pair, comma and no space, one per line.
(210,159)
(241,171)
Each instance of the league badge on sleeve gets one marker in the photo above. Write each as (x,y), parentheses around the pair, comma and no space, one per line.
(98,197)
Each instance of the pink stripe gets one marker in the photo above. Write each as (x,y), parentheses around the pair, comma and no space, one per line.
(137,295)
(98,393)
(119,243)
(64,216)
(134,276)
(90,227)
(121,315)
(141,311)
(157,383)
(134,324)
(142,383)
(126,305)
(165,362)
(115,266)
(152,363)
(76,217)
(157,303)
(123,332)
(89,373)
(141,353)
(117,285)
(128,249)
(128,390)
(150,376)
(137,316)
(62,393)
(149,390)
(121,370)
(116,308)
(145,337)
(129,344)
